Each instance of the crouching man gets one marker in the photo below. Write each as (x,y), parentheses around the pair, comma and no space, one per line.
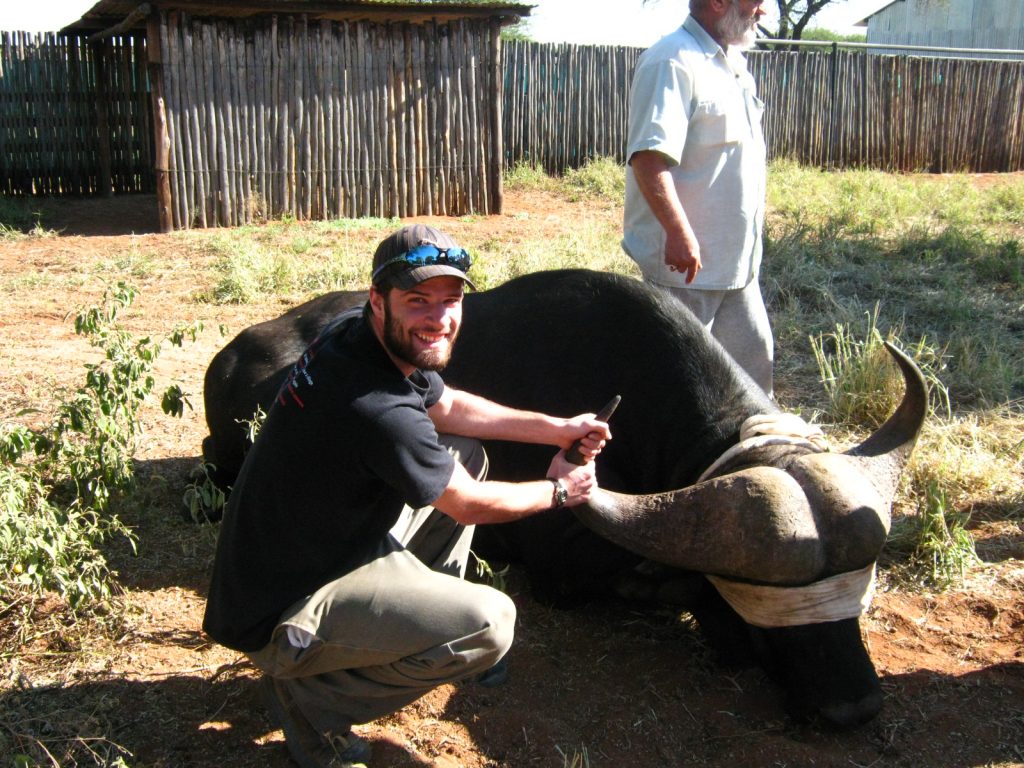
(340,562)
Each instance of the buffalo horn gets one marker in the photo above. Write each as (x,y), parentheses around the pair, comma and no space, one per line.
(827,514)
(884,454)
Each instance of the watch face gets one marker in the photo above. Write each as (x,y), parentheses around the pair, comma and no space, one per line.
(561,495)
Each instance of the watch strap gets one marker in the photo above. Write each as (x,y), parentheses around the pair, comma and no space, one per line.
(559,494)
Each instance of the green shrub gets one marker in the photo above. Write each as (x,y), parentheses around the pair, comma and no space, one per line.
(18,220)
(525,175)
(600,177)
(862,384)
(203,498)
(941,548)
(58,481)
(46,546)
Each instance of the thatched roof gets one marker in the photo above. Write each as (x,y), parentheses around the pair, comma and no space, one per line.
(130,15)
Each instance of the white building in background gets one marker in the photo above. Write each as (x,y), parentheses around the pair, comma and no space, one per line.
(985,24)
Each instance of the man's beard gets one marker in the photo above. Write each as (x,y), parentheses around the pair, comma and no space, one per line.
(736,31)
(403,347)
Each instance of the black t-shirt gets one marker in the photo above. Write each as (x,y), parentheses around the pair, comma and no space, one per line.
(347,443)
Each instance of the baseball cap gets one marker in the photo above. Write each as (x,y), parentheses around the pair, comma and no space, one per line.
(415,253)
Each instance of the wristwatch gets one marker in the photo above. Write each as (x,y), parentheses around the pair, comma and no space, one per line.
(559,495)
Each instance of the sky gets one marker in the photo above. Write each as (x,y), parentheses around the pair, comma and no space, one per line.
(633,22)
(609,22)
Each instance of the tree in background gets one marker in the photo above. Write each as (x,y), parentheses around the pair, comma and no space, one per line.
(794,15)
(518,31)
(820,33)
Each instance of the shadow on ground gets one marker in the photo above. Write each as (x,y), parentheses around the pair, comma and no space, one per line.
(215,717)
(98,216)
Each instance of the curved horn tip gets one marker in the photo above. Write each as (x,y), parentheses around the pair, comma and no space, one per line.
(890,445)
(910,369)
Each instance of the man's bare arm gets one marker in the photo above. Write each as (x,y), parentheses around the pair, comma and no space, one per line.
(463,413)
(471,501)
(682,252)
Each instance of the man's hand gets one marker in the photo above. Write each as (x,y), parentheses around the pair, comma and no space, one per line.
(682,252)
(578,481)
(590,431)
(471,501)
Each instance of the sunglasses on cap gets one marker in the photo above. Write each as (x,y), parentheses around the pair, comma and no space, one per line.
(427,255)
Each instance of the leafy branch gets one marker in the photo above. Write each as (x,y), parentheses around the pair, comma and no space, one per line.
(57,482)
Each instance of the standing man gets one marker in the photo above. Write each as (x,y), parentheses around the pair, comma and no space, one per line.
(695,181)
(340,561)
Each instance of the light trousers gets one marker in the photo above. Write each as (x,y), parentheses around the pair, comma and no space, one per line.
(398,626)
(739,321)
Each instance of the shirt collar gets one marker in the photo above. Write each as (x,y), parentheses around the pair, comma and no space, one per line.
(707,43)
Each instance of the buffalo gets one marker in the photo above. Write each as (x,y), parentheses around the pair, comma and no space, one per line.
(711,499)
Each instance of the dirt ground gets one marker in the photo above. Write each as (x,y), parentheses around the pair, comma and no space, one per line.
(607,685)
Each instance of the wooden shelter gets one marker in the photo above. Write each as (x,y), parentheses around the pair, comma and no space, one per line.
(318,109)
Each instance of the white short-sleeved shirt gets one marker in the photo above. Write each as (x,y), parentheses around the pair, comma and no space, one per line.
(697,105)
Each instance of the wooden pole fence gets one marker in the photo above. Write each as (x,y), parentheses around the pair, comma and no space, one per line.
(232,121)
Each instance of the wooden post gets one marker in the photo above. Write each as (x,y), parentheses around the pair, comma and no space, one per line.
(833,86)
(497,97)
(100,43)
(101,53)
(162,140)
